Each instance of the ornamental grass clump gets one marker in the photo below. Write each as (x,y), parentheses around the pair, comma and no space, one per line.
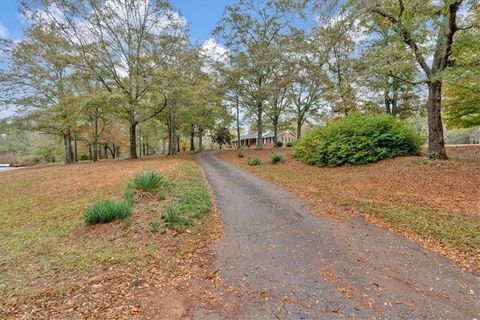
(104,211)
(148,181)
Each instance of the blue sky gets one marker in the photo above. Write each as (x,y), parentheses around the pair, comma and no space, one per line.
(202,16)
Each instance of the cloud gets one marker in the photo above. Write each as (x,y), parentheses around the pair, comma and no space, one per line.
(3,31)
(214,51)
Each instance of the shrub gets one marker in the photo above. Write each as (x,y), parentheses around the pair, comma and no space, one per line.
(289,144)
(148,181)
(240,155)
(254,161)
(358,139)
(277,157)
(279,144)
(107,210)
(173,217)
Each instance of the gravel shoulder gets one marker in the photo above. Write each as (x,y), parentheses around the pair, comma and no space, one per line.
(292,264)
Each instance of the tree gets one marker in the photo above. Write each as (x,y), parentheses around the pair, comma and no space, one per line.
(307,89)
(38,80)
(221,136)
(121,43)
(254,31)
(417,23)
(389,73)
(462,84)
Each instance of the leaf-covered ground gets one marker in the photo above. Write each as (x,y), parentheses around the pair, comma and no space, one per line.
(435,202)
(52,265)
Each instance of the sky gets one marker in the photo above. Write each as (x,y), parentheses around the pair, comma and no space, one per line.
(201,15)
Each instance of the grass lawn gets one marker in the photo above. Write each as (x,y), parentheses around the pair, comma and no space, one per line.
(435,202)
(52,265)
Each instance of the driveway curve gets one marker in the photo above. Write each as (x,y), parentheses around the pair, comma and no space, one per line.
(299,266)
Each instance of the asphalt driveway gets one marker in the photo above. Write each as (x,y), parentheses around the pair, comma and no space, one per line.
(296,265)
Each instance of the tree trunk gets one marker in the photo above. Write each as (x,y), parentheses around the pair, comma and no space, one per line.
(192,139)
(395,99)
(140,142)
(90,155)
(386,99)
(113,150)
(71,145)
(299,127)
(95,151)
(275,132)
(238,121)
(75,149)
(436,143)
(200,140)
(133,135)
(178,143)
(68,146)
(95,141)
(172,135)
(259,125)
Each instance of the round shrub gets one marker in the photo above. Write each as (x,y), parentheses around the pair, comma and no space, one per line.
(254,161)
(277,158)
(358,139)
(279,144)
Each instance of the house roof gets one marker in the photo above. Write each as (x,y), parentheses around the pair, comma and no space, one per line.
(254,135)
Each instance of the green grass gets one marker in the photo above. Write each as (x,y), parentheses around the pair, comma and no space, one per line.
(192,199)
(42,241)
(454,230)
(104,211)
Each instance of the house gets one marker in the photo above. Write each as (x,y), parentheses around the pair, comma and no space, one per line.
(250,139)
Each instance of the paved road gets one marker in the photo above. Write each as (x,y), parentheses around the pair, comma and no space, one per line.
(297,265)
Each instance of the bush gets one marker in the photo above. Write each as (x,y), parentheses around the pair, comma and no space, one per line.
(279,144)
(289,144)
(358,139)
(148,181)
(107,210)
(254,161)
(277,157)
(173,217)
